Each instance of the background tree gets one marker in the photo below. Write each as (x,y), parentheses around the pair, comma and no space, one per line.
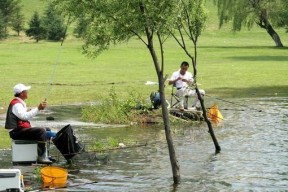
(35,30)
(248,12)
(53,24)
(111,22)
(17,21)
(81,26)
(280,15)
(2,26)
(8,8)
(188,28)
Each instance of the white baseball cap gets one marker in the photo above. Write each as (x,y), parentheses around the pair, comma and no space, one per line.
(20,87)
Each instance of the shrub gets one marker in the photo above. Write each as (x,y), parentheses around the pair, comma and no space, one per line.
(115,110)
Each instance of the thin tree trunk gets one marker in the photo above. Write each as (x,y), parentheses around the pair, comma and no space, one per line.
(173,159)
(165,114)
(210,128)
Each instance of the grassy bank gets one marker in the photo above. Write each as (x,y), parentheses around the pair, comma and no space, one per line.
(5,141)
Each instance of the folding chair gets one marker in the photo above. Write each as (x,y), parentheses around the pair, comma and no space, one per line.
(175,97)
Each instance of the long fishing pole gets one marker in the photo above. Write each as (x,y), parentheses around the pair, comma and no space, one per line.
(57,61)
(242,105)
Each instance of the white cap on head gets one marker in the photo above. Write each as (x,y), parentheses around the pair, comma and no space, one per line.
(20,87)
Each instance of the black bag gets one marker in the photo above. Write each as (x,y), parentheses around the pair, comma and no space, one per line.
(67,143)
(155,99)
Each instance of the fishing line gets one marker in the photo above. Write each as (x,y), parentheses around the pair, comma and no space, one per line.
(242,105)
(56,61)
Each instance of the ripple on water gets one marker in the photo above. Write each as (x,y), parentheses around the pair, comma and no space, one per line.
(254,153)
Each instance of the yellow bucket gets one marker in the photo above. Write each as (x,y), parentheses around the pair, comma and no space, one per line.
(54,177)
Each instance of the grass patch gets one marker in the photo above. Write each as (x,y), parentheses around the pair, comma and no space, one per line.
(115,109)
(109,144)
(5,140)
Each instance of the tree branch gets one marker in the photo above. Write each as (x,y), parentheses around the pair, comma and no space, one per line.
(162,52)
(139,37)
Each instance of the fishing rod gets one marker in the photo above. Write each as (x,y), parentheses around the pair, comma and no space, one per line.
(234,103)
(57,60)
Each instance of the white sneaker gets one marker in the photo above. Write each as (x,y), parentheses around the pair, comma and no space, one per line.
(44,160)
(181,108)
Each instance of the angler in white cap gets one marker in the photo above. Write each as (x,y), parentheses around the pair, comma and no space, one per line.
(17,121)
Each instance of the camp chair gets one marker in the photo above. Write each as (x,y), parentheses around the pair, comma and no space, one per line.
(175,97)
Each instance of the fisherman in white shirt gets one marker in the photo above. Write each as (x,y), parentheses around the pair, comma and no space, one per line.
(181,79)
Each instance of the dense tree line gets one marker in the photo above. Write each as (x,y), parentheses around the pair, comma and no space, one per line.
(50,26)
(267,14)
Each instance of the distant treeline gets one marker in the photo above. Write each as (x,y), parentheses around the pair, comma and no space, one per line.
(49,26)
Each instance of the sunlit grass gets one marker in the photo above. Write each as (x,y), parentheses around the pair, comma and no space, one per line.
(241,65)
(5,141)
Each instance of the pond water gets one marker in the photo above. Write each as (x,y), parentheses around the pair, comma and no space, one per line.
(254,155)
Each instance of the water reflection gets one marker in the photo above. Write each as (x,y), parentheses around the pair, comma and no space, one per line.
(254,154)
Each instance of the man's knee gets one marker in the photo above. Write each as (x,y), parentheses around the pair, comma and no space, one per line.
(40,130)
(40,133)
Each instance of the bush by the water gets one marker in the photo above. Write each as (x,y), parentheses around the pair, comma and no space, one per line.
(117,110)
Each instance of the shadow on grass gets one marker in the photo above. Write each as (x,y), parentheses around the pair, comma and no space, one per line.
(243,47)
(260,58)
(263,91)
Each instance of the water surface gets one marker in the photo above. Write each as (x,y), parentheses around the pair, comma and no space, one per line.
(254,154)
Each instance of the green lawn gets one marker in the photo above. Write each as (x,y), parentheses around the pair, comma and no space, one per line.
(232,65)
(244,64)
(5,141)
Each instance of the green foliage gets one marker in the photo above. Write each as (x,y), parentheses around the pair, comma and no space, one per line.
(189,26)
(18,21)
(35,30)
(109,143)
(37,174)
(281,15)
(9,9)
(246,13)
(112,22)
(241,12)
(53,24)
(2,26)
(81,27)
(115,110)
(193,17)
